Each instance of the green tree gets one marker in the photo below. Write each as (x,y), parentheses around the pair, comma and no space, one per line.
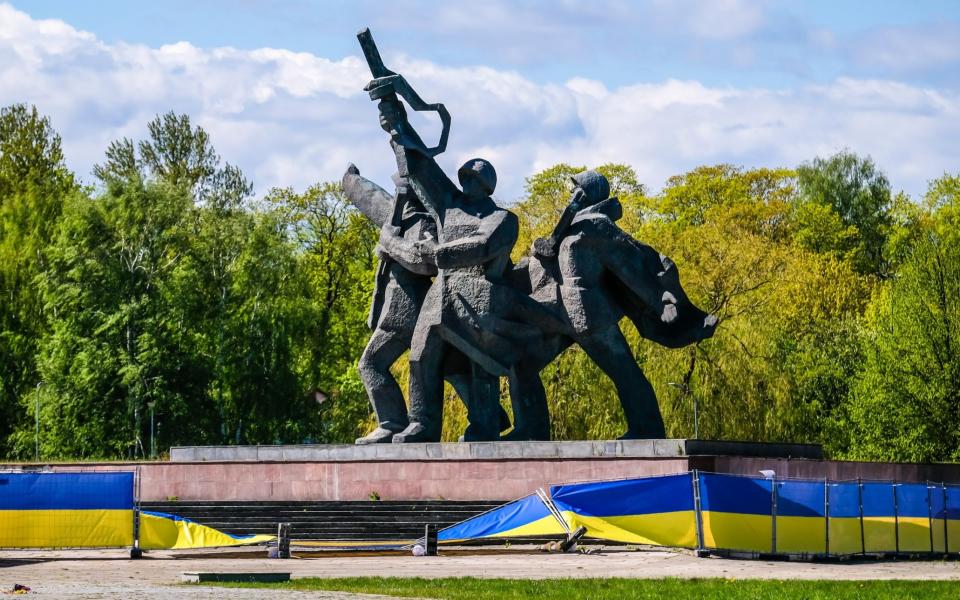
(33,184)
(858,194)
(335,247)
(906,400)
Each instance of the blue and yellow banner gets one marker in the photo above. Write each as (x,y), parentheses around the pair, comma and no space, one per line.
(66,510)
(162,531)
(736,512)
(914,531)
(525,517)
(846,536)
(801,517)
(656,510)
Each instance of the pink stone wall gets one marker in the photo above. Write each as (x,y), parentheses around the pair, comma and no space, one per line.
(392,480)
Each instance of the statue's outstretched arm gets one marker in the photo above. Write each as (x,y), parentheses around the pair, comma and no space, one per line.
(371,199)
(495,237)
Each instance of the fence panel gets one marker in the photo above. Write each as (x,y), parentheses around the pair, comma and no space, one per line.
(653,510)
(66,510)
(846,535)
(801,517)
(879,517)
(737,512)
(938,516)
(913,517)
(953,518)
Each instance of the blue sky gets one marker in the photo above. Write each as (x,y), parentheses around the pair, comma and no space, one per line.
(662,85)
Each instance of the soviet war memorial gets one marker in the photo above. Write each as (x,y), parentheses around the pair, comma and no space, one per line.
(586,300)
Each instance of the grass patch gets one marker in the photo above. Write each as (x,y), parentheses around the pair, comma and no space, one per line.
(470,588)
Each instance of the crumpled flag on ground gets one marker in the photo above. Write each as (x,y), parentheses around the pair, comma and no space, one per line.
(162,531)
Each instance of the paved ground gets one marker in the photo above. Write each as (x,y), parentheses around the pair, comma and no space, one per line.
(109,574)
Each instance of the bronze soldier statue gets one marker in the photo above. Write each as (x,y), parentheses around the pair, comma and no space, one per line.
(446,288)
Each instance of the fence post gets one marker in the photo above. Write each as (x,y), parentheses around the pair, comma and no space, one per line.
(135,551)
(946,515)
(863,537)
(826,515)
(896,517)
(930,516)
(698,514)
(773,514)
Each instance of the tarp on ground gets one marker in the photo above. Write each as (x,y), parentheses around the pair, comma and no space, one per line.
(66,510)
(526,517)
(653,510)
(162,531)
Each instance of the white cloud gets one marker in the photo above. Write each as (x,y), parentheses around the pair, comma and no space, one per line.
(293,118)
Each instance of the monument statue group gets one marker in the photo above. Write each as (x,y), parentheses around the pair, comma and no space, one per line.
(447,290)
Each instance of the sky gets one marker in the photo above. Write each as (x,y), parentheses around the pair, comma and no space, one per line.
(661,85)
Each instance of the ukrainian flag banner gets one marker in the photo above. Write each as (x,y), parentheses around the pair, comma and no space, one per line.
(938,517)
(952,515)
(737,512)
(656,510)
(879,517)
(846,536)
(801,517)
(162,531)
(913,517)
(66,510)
(525,517)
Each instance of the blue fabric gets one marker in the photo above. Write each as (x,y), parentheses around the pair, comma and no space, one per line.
(845,500)
(912,500)
(509,516)
(800,499)
(938,502)
(627,497)
(66,491)
(735,494)
(878,499)
(953,502)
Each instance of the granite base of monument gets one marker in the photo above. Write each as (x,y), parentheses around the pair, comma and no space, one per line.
(670,448)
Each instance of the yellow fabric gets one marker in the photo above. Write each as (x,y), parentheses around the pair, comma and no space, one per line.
(914,534)
(732,531)
(676,529)
(66,528)
(802,535)
(939,536)
(845,535)
(158,533)
(879,534)
(543,526)
(953,535)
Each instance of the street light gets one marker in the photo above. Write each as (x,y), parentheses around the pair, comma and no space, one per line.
(684,392)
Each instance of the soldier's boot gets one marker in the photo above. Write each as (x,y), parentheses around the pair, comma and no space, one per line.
(380,435)
(417,432)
